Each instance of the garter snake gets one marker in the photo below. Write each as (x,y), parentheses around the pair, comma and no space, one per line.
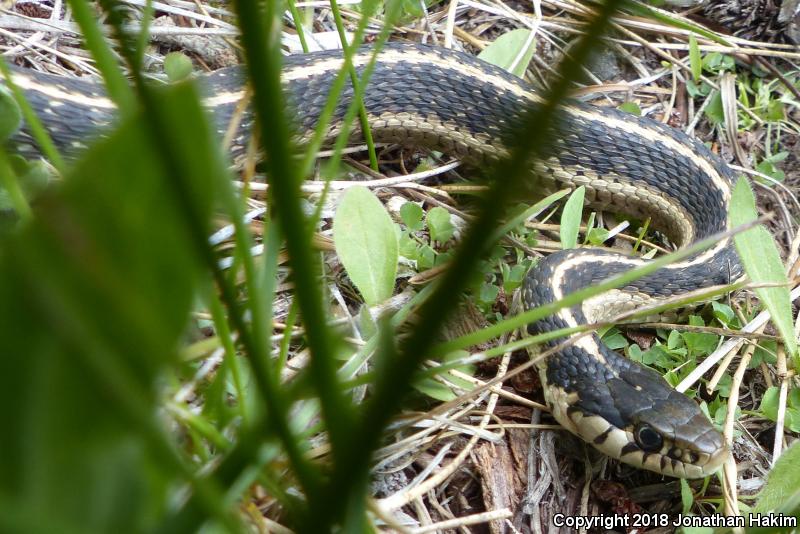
(455,103)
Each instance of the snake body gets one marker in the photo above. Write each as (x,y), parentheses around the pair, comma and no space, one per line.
(457,104)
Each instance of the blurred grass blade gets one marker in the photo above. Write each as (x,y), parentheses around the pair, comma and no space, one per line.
(37,130)
(393,380)
(117,86)
(262,51)
(95,295)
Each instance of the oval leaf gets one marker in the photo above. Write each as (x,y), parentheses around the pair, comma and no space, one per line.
(763,264)
(571,218)
(366,242)
(511,51)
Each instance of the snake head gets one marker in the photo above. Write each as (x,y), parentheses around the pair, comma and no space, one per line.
(646,423)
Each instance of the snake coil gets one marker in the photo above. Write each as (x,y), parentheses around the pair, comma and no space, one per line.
(455,103)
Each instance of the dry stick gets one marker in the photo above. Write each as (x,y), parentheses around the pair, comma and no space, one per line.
(755,52)
(383,181)
(708,330)
(731,493)
(723,366)
(778,74)
(396,500)
(16,21)
(729,345)
(681,65)
(403,497)
(450,23)
(61,55)
(784,391)
(508,395)
(475,519)
(654,27)
(773,181)
(166,8)
(727,91)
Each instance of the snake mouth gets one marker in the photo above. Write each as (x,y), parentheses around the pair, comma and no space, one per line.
(705,464)
(681,461)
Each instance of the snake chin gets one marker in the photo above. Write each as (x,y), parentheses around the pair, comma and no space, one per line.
(646,424)
(667,431)
(677,458)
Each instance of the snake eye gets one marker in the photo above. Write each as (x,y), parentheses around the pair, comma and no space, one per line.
(648,439)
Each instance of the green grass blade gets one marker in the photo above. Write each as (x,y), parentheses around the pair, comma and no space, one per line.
(362,111)
(38,131)
(264,68)
(393,381)
(522,319)
(117,86)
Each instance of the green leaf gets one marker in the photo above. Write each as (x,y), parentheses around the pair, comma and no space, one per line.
(571,218)
(763,265)
(716,62)
(699,342)
(695,61)
(697,91)
(426,258)
(775,111)
(766,351)
(511,51)
(781,494)
(674,340)
(724,385)
(687,499)
(769,403)
(177,66)
(597,236)
(794,397)
(10,115)
(634,352)
(714,110)
(616,341)
(439,224)
(408,248)
(777,157)
(792,420)
(514,277)
(366,242)
(769,409)
(630,107)
(488,293)
(411,214)
(723,313)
